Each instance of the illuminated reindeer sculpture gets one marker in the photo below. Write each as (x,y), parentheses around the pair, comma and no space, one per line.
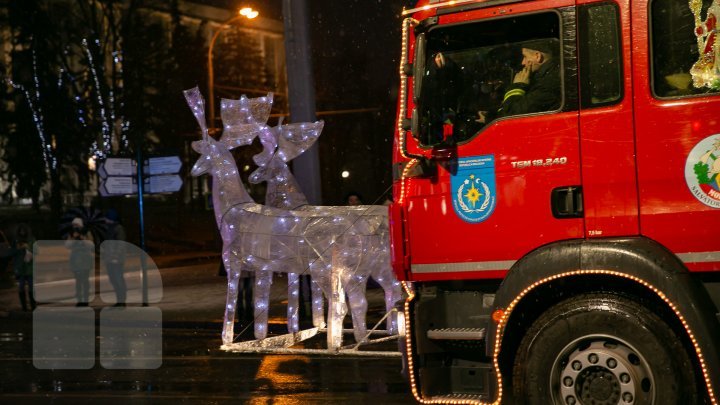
(243,120)
(283,143)
(266,240)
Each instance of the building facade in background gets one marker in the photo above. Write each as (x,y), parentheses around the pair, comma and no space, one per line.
(108,79)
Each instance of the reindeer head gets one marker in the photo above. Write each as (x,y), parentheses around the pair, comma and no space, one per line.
(216,160)
(207,148)
(204,147)
(246,118)
(281,144)
(242,120)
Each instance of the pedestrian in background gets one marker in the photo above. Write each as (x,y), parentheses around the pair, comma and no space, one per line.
(113,256)
(22,255)
(5,253)
(353,199)
(82,260)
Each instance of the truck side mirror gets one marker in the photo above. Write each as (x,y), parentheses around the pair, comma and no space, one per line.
(444,151)
(415,124)
(445,154)
(418,66)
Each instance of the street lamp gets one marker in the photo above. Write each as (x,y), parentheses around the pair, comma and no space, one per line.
(245,12)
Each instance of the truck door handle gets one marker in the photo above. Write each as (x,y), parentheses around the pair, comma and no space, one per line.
(567,202)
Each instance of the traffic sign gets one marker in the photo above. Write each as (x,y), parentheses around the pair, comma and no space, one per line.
(167,183)
(117,185)
(118,176)
(162,165)
(117,167)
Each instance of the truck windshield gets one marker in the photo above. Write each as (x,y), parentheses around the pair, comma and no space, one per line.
(468,68)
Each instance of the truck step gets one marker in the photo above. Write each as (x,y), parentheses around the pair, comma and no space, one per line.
(454,398)
(457,334)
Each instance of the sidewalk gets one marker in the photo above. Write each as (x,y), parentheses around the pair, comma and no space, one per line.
(194,295)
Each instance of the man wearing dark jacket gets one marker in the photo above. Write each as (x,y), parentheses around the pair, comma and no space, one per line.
(536,87)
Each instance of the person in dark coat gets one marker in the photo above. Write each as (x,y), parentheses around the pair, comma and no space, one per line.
(5,253)
(82,259)
(22,254)
(536,87)
(113,256)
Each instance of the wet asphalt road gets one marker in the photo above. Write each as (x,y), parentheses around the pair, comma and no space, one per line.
(195,370)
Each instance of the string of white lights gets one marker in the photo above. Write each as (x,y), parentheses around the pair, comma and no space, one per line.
(38,119)
(106,134)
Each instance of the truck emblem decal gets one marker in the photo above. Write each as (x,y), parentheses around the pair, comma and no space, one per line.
(702,171)
(474,188)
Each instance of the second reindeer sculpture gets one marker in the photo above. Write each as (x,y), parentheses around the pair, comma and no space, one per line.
(243,120)
(281,144)
(332,242)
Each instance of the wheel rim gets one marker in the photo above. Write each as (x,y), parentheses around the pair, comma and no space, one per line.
(601,370)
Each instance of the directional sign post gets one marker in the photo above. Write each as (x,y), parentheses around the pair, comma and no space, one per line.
(166,183)
(162,174)
(116,177)
(117,185)
(124,176)
(117,167)
(163,165)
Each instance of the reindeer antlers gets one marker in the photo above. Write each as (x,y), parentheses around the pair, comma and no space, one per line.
(197,104)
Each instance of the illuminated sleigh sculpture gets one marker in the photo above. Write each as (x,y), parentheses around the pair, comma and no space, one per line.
(338,246)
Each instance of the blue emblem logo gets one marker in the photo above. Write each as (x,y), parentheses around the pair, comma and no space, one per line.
(474,188)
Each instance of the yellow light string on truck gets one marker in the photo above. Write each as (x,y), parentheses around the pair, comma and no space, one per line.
(411,364)
(506,316)
(403,106)
(403,84)
(404,184)
(691,335)
(438,5)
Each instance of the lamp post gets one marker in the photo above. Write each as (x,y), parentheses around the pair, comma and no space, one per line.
(301,92)
(245,12)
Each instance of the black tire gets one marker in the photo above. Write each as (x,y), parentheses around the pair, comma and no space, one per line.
(602,349)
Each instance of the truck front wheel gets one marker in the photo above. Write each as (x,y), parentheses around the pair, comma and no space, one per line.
(602,349)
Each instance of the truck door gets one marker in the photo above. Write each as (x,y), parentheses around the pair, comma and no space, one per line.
(677,114)
(514,183)
(606,119)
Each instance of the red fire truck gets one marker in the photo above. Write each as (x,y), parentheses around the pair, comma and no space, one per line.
(557,201)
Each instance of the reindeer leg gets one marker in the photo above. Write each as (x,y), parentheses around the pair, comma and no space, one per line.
(337,309)
(261,298)
(293,281)
(355,286)
(233,275)
(318,284)
(318,304)
(393,294)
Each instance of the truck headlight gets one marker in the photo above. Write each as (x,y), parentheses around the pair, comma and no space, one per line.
(401,323)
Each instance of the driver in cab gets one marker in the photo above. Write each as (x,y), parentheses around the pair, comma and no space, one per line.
(536,87)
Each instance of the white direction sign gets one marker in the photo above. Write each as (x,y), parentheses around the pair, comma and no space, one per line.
(163,165)
(163,184)
(117,167)
(117,186)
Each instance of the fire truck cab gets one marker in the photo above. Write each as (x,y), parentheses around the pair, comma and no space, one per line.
(557,201)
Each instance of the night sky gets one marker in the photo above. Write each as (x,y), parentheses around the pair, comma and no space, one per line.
(355,48)
(355,45)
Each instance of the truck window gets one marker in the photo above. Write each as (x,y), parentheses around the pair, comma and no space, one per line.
(684,49)
(600,57)
(470,67)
